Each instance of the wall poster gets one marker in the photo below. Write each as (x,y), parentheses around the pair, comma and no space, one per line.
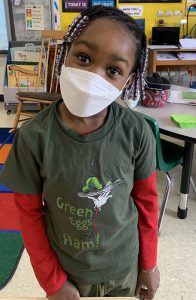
(192,10)
(149,1)
(56,18)
(75,5)
(80,5)
(34,17)
(133,11)
(111,3)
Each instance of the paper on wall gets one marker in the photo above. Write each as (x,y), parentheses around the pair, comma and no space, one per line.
(34,17)
(133,11)
(56,14)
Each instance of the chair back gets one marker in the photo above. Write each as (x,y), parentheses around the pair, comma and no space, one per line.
(168,154)
(42,78)
(51,40)
(155,129)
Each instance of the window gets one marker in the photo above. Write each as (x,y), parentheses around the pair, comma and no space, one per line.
(3,31)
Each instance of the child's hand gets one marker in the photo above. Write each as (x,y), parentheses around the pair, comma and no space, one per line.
(67,292)
(148,283)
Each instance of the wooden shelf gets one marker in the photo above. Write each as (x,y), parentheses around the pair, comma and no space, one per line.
(177,62)
(174,50)
(154,63)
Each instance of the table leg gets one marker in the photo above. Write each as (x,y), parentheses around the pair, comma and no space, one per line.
(185,179)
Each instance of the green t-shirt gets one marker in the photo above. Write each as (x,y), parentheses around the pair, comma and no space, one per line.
(86,181)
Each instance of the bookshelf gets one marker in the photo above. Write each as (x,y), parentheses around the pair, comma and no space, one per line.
(156,64)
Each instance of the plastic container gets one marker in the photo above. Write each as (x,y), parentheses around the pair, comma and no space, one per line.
(155,98)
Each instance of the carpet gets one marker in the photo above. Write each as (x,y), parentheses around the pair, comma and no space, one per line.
(11,244)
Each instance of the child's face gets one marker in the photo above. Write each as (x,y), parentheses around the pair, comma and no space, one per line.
(106,48)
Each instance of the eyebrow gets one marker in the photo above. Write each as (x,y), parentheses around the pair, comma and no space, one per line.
(119,58)
(86,43)
(93,47)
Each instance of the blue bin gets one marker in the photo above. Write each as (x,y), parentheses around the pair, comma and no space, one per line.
(193,85)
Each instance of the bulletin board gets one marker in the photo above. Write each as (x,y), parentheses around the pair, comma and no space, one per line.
(143,10)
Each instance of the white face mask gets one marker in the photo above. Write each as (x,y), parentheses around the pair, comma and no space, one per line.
(85,93)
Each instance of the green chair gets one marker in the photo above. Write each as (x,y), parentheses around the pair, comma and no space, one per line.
(168,155)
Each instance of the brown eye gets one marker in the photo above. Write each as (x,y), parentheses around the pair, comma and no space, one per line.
(84,59)
(114,71)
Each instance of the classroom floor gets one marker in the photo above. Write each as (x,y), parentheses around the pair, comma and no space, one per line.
(177,246)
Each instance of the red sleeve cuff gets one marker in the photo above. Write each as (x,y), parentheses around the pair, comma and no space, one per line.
(58,285)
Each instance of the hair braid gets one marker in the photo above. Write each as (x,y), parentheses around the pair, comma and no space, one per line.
(136,89)
(73,32)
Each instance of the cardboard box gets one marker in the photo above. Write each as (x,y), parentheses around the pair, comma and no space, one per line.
(11,103)
(10,92)
(28,53)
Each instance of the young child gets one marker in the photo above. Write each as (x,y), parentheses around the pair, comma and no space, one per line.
(83,169)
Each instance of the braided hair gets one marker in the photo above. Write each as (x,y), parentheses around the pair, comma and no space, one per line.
(136,88)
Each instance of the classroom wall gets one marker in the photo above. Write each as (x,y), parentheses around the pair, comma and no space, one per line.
(149,14)
(19,20)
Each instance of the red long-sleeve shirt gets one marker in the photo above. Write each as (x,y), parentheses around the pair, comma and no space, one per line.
(44,261)
(146,199)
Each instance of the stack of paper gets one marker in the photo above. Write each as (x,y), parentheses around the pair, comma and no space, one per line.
(182,97)
(166,56)
(188,43)
(163,47)
(189,95)
(186,55)
(184,121)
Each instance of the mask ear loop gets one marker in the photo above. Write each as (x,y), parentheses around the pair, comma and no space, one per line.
(126,82)
(124,90)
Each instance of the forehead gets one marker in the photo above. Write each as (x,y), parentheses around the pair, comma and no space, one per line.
(109,36)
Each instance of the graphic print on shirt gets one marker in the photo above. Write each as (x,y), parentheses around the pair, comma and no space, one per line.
(82,233)
(95,191)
